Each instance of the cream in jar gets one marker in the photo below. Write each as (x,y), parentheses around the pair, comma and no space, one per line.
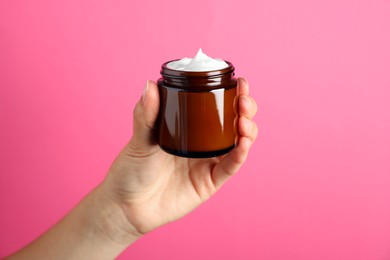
(201,62)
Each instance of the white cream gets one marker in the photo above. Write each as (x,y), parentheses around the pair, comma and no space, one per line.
(201,62)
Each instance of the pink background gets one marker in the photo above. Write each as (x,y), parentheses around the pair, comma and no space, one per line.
(317,182)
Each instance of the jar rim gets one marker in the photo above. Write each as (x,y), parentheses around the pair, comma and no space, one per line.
(165,71)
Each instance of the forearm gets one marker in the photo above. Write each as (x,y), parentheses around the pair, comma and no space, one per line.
(95,229)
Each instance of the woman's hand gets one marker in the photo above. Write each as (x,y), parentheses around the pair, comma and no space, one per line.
(154,188)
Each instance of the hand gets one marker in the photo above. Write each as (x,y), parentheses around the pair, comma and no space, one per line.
(145,188)
(154,188)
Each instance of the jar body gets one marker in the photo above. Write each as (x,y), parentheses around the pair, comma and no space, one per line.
(197,120)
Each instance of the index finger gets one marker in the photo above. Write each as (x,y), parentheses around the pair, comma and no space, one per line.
(243,87)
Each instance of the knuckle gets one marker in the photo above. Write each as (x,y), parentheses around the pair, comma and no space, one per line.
(255,132)
(253,106)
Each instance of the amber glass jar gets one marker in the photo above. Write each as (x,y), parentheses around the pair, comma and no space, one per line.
(196,118)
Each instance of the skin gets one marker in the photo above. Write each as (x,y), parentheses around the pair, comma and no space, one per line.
(144,189)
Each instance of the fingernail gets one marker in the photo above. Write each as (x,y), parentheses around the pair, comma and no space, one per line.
(145,93)
(244,79)
(244,100)
(243,86)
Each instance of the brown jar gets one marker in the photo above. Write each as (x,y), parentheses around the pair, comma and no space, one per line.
(196,118)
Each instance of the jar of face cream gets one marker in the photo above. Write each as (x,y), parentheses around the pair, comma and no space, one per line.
(196,117)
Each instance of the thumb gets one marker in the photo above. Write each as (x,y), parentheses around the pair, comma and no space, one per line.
(144,118)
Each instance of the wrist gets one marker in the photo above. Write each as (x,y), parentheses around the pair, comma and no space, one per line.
(108,219)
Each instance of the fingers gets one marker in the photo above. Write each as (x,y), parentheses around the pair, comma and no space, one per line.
(144,117)
(247,132)
(247,109)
